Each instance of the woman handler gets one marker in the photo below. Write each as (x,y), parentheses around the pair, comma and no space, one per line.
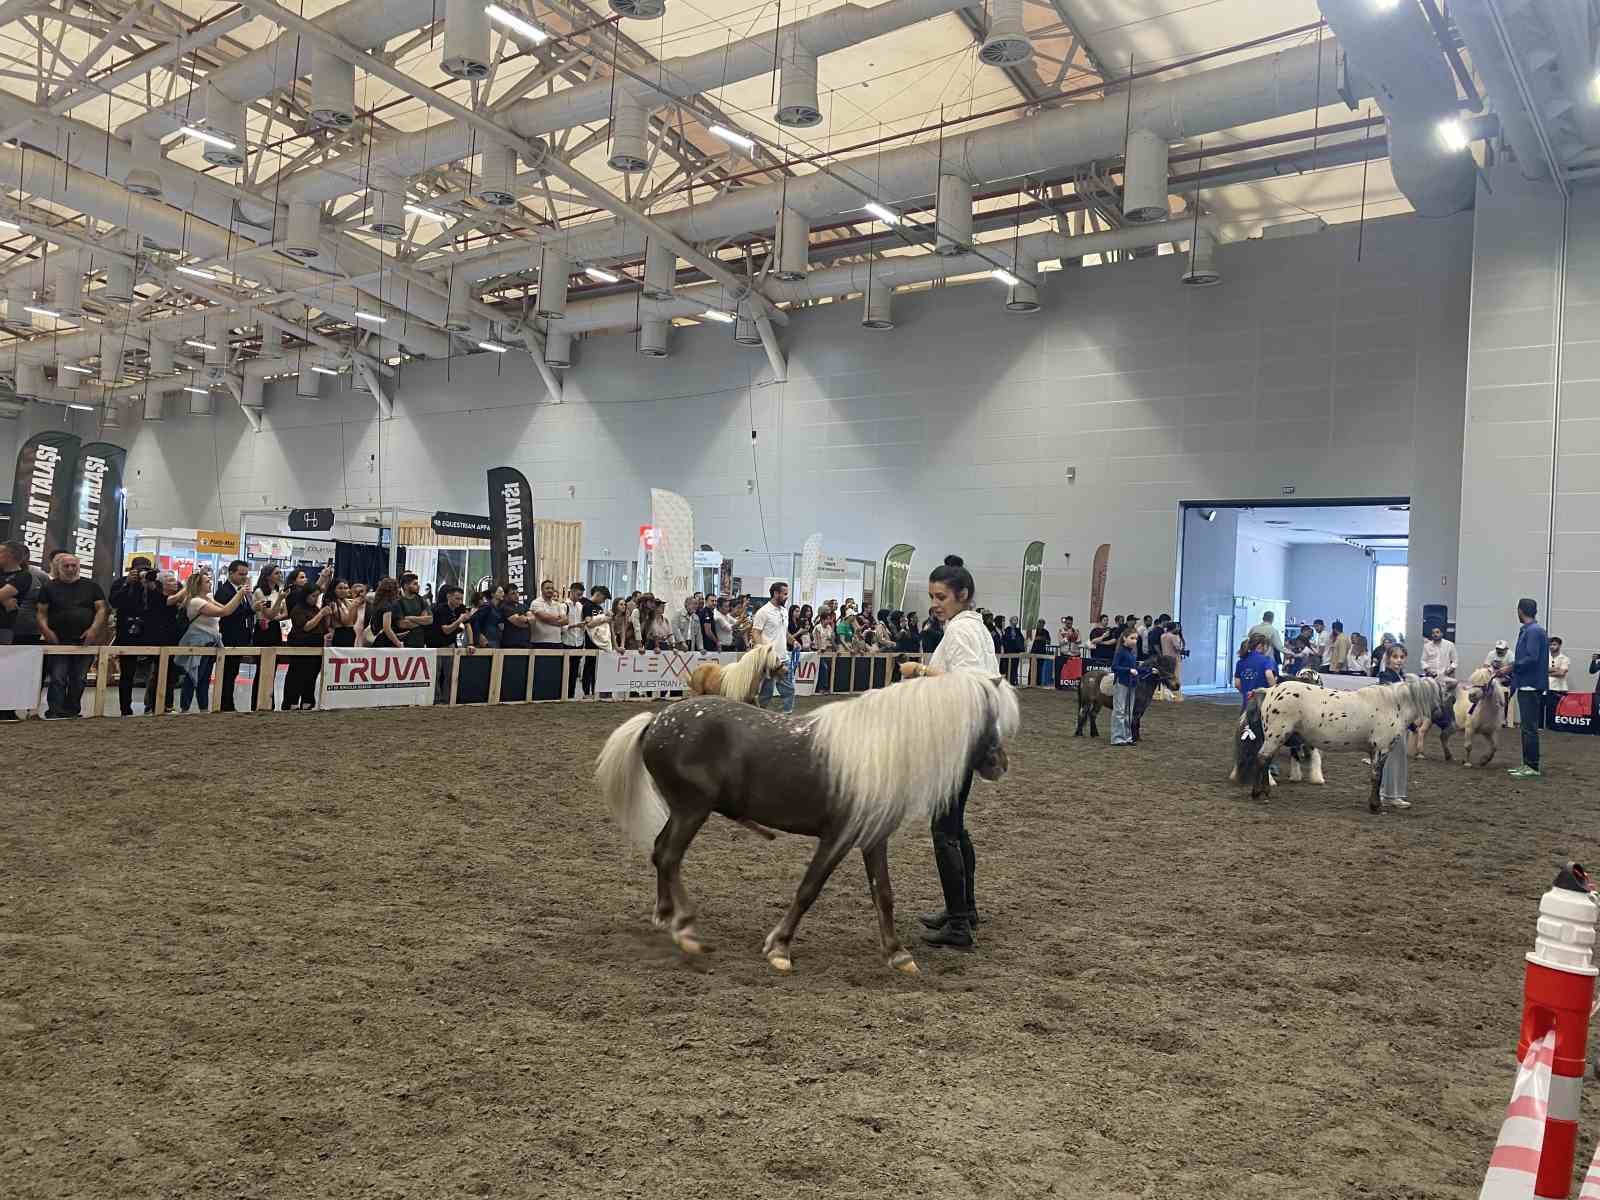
(965,646)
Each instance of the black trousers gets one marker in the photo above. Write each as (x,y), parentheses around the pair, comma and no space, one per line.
(230,680)
(953,854)
(1530,709)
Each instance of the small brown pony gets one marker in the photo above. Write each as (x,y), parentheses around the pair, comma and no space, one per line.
(743,680)
(1094,692)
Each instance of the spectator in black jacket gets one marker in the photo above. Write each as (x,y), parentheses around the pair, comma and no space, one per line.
(133,596)
(237,630)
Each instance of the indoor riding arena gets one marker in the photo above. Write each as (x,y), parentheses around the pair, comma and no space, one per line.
(833,600)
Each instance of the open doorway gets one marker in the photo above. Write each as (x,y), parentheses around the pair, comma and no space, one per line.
(1321,560)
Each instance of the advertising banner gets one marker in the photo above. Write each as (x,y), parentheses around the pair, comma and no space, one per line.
(804,665)
(1032,583)
(468,525)
(1572,712)
(41,495)
(511,528)
(97,510)
(311,520)
(810,565)
(216,541)
(648,670)
(1097,581)
(356,678)
(21,668)
(892,584)
(672,566)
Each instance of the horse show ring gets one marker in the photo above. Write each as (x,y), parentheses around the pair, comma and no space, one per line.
(397,953)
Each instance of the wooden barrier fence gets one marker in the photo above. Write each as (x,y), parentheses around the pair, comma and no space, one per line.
(268,658)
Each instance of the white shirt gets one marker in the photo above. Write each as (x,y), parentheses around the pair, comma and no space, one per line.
(1361,664)
(209,624)
(772,626)
(1439,660)
(724,624)
(545,619)
(573,638)
(1495,660)
(966,646)
(599,627)
(1559,684)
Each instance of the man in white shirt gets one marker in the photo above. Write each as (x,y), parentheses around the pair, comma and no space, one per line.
(547,618)
(572,638)
(1271,632)
(1438,656)
(771,622)
(686,629)
(1560,665)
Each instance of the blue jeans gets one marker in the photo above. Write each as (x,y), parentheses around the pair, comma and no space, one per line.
(67,674)
(1122,715)
(197,679)
(784,685)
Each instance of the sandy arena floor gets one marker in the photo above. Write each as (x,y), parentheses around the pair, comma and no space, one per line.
(355,955)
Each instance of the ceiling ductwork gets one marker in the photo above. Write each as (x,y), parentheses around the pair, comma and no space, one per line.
(224,121)
(466,40)
(66,284)
(798,104)
(162,356)
(1202,269)
(305,231)
(154,406)
(216,337)
(1006,43)
(877,306)
(660,270)
(630,151)
(30,382)
(640,10)
(793,249)
(142,177)
(111,414)
(953,215)
(676,78)
(653,335)
(1144,178)
(1394,49)
(554,272)
(200,400)
(497,184)
(333,90)
(388,208)
(110,360)
(557,348)
(745,331)
(1022,296)
(458,317)
(119,281)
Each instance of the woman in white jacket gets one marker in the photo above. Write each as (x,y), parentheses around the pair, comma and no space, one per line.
(966,646)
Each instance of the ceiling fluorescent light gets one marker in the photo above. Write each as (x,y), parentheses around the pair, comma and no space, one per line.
(515,23)
(202,135)
(41,312)
(1005,277)
(324,370)
(196,272)
(427,214)
(198,391)
(76,370)
(1453,134)
(363,315)
(198,344)
(712,314)
(81,407)
(495,346)
(732,136)
(9,225)
(601,276)
(887,215)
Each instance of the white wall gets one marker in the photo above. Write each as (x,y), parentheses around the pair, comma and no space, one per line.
(1334,583)
(952,432)
(1533,405)
(1259,568)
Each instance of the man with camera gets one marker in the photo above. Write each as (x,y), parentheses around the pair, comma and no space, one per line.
(236,629)
(133,595)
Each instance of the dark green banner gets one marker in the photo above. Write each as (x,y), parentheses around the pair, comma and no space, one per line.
(1032,584)
(892,582)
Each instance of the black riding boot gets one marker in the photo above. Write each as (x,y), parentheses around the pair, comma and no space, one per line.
(969,866)
(956,931)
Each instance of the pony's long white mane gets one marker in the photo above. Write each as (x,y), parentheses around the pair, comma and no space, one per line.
(905,749)
(743,680)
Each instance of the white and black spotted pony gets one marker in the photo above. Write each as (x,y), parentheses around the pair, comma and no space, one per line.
(1299,752)
(1326,719)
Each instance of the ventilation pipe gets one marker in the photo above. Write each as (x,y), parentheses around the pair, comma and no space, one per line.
(498,180)
(630,122)
(139,179)
(225,118)
(672,79)
(216,336)
(19,295)
(371,383)
(1006,43)
(66,275)
(744,324)
(110,360)
(794,246)
(653,337)
(29,380)
(557,348)
(458,318)
(119,281)
(1202,268)
(769,343)
(1023,295)
(1144,178)
(642,10)
(252,399)
(110,414)
(200,402)
(1395,49)
(877,306)
(660,270)
(162,353)
(308,383)
(554,268)
(388,209)
(798,106)
(333,90)
(305,231)
(466,40)
(953,216)
(154,404)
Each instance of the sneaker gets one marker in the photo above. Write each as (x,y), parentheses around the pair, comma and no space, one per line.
(1397,803)
(1524,773)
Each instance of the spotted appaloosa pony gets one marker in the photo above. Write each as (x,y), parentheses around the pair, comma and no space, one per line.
(1299,752)
(742,681)
(847,775)
(1094,692)
(1369,719)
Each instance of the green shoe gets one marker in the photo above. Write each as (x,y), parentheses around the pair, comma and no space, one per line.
(1523,773)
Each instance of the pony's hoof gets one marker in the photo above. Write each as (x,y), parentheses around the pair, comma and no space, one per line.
(688,943)
(904,963)
(780,963)
(661,920)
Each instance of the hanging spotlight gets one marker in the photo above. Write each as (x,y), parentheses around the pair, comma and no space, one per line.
(516,24)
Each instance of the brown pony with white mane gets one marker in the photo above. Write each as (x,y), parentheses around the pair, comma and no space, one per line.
(742,681)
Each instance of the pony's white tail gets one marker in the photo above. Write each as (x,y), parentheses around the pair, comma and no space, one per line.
(636,805)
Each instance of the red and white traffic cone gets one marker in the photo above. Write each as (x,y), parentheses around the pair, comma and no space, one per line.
(1514,1165)
(1557,997)
(1590,1188)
